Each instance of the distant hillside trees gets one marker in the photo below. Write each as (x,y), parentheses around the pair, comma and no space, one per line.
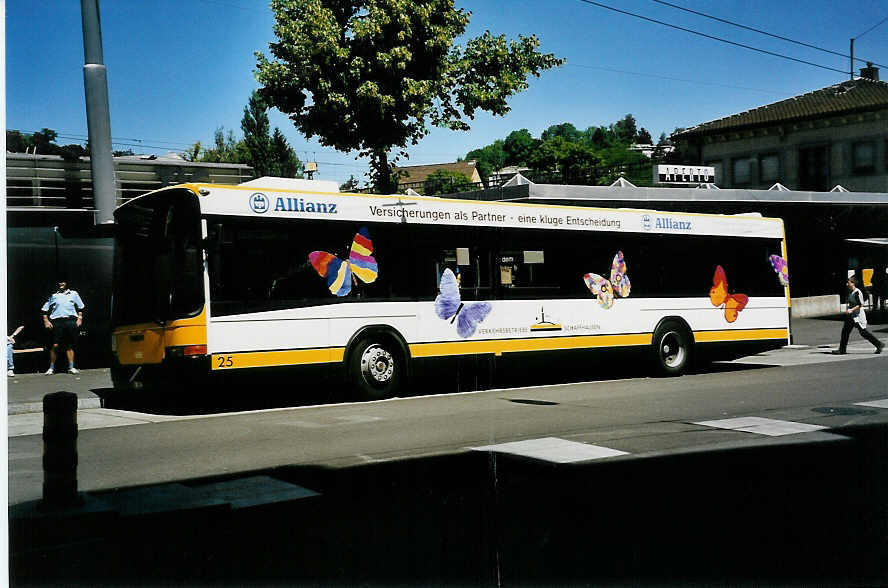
(489,159)
(566,150)
(444,181)
(42,142)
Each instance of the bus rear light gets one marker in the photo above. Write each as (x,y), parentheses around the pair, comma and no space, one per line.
(186,351)
(195,350)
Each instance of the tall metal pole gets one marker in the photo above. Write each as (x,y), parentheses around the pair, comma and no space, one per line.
(852,59)
(98,117)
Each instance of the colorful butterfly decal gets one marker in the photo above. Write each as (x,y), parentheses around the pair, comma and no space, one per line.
(618,285)
(779,265)
(719,295)
(359,264)
(449,305)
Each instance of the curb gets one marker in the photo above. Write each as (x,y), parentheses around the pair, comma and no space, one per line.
(31,407)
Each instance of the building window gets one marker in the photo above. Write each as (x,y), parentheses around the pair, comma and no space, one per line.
(769,168)
(863,157)
(741,171)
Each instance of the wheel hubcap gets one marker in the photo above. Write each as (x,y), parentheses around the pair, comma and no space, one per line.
(377,365)
(671,350)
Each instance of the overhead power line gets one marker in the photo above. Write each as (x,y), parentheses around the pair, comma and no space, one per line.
(871,28)
(713,37)
(674,79)
(755,30)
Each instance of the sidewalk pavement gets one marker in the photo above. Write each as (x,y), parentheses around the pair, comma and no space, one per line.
(26,391)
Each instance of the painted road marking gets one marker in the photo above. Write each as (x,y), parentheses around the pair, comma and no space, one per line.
(762,426)
(874,403)
(553,449)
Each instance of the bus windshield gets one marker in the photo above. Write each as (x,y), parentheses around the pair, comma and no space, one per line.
(158,259)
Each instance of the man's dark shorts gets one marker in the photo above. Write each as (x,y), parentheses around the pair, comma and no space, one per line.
(64,332)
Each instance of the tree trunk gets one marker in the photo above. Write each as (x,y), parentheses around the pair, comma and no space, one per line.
(383,179)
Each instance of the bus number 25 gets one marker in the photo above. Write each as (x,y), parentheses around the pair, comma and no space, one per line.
(224,361)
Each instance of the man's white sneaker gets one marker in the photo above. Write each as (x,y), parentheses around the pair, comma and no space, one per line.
(73,371)
(49,372)
(10,373)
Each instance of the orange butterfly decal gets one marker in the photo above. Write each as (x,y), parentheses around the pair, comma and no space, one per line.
(718,294)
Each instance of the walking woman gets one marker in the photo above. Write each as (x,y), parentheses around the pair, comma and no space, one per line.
(855,317)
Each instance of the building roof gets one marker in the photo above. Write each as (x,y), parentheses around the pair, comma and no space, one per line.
(418,173)
(848,97)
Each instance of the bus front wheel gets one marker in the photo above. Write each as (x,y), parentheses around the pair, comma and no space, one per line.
(672,349)
(376,369)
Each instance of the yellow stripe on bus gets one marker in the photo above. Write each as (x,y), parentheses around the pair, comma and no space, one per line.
(328,355)
(252,359)
(536,344)
(740,335)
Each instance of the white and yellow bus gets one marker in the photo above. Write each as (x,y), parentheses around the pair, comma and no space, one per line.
(217,281)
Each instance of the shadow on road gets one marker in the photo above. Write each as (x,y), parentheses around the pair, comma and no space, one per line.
(778,514)
(459,374)
(284,389)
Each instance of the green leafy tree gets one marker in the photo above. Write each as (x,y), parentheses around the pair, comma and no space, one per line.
(257,141)
(626,129)
(44,141)
(544,158)
(74,151)
(518,147)
(644,137)
(489,159)
(661,148)
(372,75)
(565,156)
(284,161)
(193,152)
(226,149)
(566,131)
(351,185)
(600,137)
(16,142)
(267,153)
(666,148)
(444,181)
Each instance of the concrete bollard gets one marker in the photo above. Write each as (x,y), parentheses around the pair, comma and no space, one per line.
(60,450)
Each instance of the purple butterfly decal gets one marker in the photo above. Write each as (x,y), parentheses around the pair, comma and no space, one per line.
(779,265)
(449,305)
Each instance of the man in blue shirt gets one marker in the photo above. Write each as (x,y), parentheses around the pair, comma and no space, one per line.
(63,315)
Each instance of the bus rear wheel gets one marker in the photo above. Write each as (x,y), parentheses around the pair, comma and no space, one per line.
(376,369)
(672,349)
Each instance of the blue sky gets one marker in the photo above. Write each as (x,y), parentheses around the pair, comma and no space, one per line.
(178,69)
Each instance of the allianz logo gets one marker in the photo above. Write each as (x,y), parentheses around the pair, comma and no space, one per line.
(260,204)
(665,223)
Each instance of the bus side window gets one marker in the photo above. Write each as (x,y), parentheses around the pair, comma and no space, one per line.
(471,266)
